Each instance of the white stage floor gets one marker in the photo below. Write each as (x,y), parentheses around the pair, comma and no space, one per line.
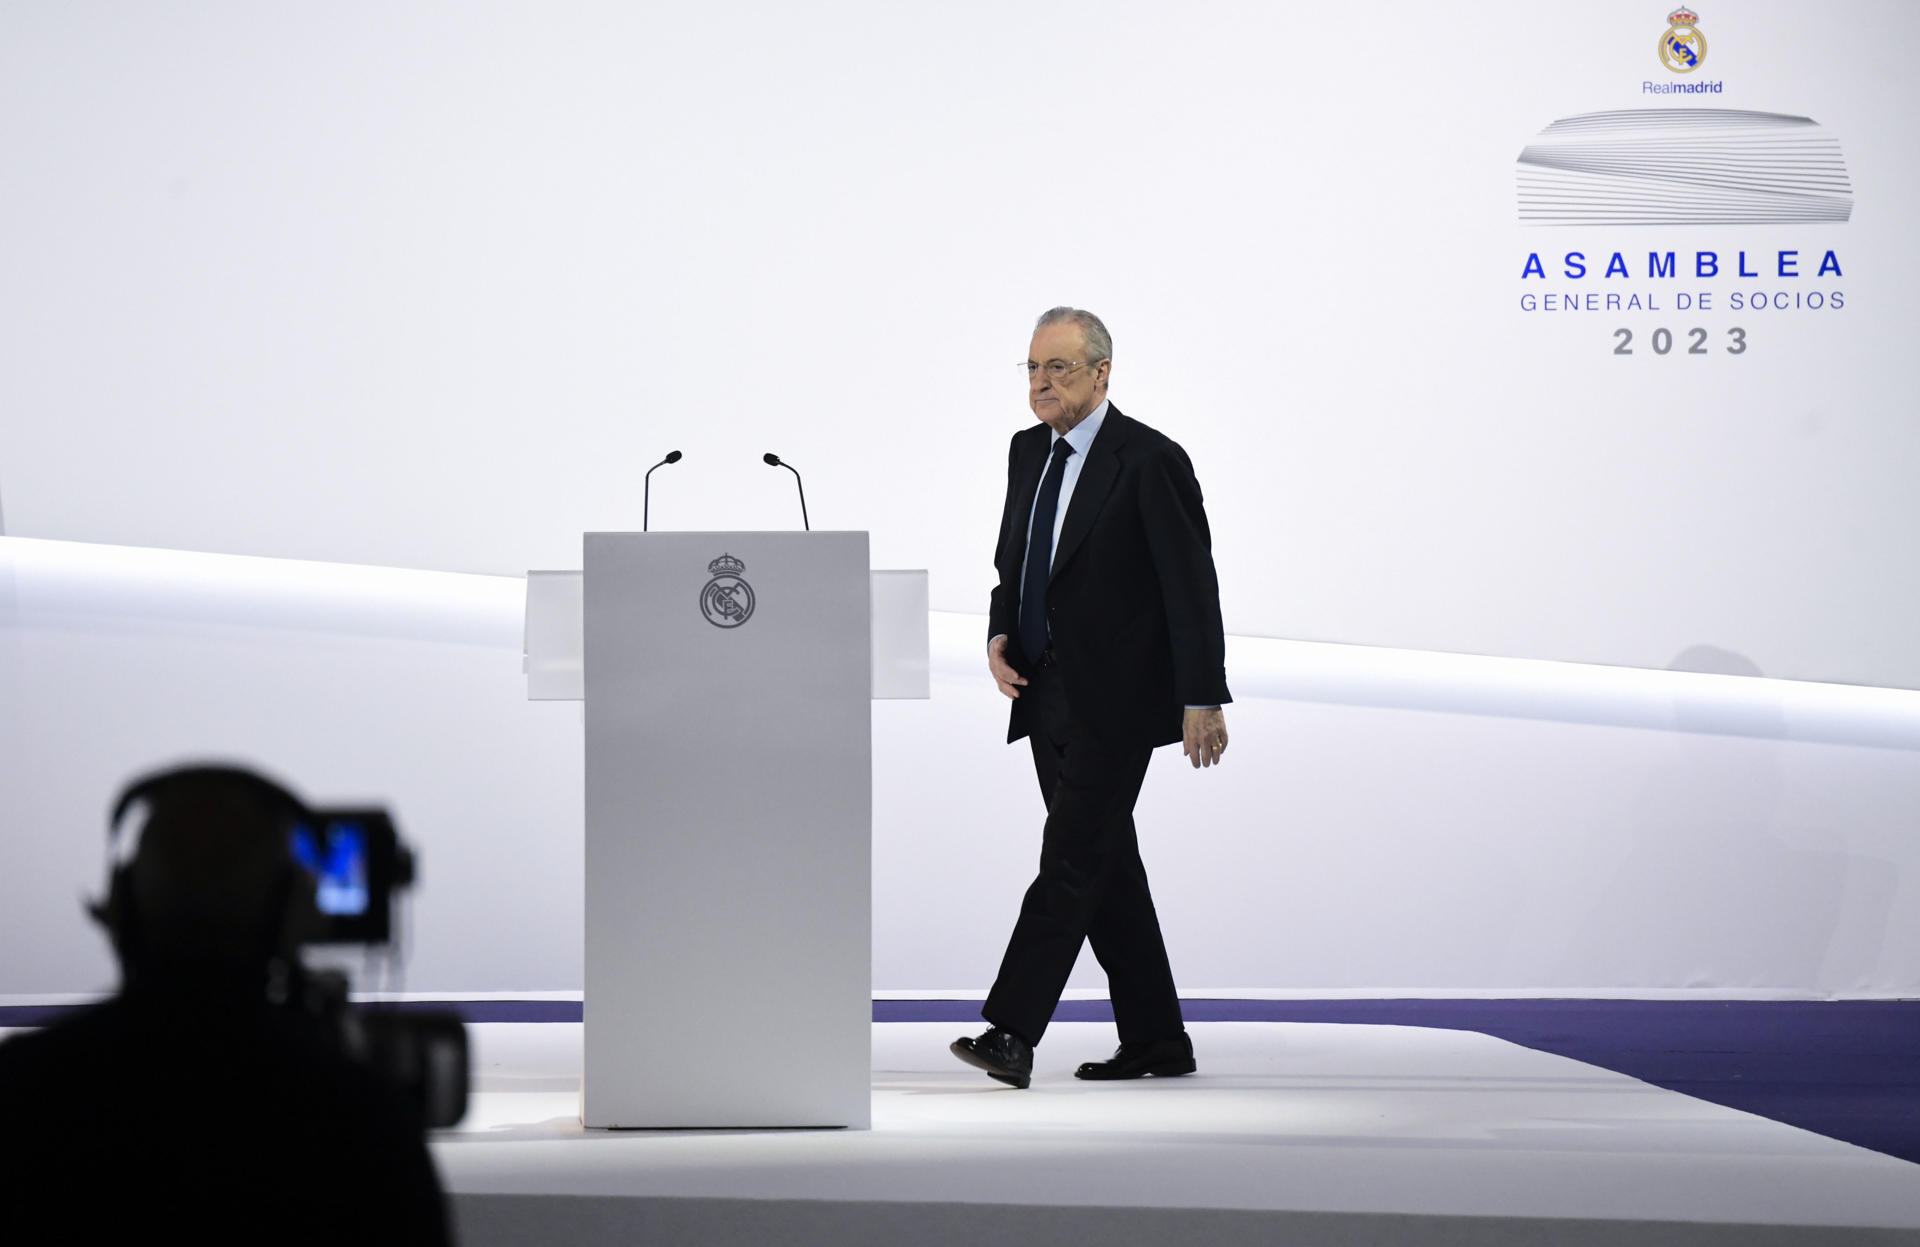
(1329,1134)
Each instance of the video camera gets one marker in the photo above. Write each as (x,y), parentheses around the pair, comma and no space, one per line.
(360,867)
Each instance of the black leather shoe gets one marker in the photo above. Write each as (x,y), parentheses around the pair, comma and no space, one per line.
(1003,1054)
(1162,1058)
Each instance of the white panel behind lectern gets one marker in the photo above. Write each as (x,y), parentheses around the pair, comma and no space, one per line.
(551,637)
(553,645)
(729,834)
(900,636)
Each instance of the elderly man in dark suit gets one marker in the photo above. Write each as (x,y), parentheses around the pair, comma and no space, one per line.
(1105,631)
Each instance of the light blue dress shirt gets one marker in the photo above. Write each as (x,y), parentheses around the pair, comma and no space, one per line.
(1081,439)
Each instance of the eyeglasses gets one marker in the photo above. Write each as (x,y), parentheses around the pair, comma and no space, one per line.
(1057,369)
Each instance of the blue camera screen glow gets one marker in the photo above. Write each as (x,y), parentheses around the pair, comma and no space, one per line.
(337,858)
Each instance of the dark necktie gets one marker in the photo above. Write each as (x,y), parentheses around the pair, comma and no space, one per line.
(1033,591)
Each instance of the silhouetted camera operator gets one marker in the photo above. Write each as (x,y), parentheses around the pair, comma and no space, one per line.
(212,1098)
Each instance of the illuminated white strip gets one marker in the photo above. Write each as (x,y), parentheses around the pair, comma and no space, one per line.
(59,583)
(71,582)
(1357,675)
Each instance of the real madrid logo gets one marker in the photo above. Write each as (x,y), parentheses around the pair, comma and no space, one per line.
(727,601)
(1682,48)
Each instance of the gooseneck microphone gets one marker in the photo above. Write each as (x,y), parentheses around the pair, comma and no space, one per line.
(646,491)
(775,461)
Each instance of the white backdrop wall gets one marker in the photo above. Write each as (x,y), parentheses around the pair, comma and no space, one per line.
(1386,822)
(430,284)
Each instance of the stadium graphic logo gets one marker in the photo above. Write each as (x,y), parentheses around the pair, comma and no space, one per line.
(1692,166)
(1683,47)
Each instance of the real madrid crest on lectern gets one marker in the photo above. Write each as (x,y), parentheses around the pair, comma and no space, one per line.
(1683,47)
(727,601)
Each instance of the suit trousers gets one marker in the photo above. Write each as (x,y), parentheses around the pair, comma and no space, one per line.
(1092,885)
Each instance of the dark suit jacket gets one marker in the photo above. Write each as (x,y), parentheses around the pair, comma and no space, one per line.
(1133,605)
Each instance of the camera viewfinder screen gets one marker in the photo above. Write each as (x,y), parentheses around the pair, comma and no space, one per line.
(336,856)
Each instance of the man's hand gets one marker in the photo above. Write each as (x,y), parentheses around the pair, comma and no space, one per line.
(1205,736)
(1003,674)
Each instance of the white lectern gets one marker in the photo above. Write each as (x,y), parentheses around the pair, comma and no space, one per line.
(728,817)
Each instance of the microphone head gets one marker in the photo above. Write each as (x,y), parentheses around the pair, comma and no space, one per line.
(772,460)
(673,456)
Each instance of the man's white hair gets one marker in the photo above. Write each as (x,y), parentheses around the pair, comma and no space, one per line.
(1099,341)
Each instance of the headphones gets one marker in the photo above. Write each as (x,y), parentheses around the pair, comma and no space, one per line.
(290,918)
